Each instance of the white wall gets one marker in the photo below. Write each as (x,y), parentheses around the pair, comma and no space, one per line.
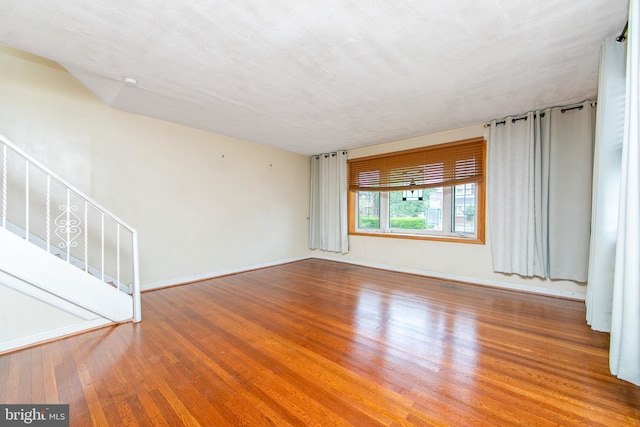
(199,213)
(202,203)
(452,260)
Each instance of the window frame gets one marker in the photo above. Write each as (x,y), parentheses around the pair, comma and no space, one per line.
(479,238)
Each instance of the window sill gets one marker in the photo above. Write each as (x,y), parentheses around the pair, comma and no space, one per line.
(469,240)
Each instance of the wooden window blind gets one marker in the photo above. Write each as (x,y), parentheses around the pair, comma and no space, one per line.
(454,163)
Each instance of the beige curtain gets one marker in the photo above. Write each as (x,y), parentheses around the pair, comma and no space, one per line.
(540,167)
(328,203)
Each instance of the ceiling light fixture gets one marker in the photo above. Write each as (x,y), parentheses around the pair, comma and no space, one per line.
(130,82)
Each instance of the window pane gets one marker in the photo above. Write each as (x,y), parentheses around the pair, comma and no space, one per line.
(406,210)
(369,209)
(433,208)
(464,208)
(416,210)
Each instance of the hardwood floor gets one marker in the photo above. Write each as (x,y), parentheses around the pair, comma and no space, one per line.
(323,343)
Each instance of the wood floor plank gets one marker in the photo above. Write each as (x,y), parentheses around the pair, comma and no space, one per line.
(49,386)
(322,343)
(11,383)
(37,374)
(24,393)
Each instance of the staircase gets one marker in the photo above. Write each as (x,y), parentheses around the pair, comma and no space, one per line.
(66,263)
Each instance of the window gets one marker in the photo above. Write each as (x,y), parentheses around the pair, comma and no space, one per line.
(435,192)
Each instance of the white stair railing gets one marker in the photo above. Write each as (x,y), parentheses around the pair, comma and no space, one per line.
(82,232)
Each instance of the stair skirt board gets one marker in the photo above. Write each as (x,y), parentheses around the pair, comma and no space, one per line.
(60,253)
(53,300)
(34,266)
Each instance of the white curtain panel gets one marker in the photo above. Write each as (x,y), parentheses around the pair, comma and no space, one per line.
(566,194)
(540,192)
(512,151)
(606,183)
(314,205)
(624,355)
(328,203)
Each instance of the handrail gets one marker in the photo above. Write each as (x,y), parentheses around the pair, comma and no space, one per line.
(61,181)
(67,225)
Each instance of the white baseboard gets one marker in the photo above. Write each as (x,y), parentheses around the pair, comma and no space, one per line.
(492,283)
(49,335)
(212,275)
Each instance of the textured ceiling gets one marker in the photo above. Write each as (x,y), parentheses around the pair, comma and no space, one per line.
(316,76)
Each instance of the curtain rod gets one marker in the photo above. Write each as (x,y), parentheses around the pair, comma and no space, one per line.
(563,110)
(332,154)
(623,35)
